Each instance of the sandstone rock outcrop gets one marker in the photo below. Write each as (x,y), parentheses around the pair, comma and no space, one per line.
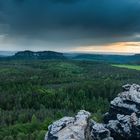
(97,131)
(123,118)
(122,122)
(127,102)
(125,127)
(69,128)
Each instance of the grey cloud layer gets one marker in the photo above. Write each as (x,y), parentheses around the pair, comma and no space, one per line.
(71,21)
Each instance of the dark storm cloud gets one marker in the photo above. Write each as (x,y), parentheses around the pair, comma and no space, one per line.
(71,21)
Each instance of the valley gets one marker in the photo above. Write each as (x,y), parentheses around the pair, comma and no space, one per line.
(34,93)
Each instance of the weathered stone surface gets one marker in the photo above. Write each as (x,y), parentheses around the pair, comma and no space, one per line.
(126,102)
(123,118)
(126,126)
(98,132)
(122,122)
(69,128)
(126,87)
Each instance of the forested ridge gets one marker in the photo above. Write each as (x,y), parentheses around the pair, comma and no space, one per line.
(35,93)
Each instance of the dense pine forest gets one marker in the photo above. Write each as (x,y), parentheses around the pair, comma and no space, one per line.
(34,93)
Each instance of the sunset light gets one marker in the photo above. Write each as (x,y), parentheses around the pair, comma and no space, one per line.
(119,47)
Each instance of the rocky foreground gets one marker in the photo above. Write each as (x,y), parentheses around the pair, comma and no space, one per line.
(122,122)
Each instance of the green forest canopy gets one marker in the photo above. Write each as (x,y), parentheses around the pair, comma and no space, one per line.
(35,93)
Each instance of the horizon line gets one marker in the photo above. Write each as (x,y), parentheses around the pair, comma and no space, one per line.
(72,52)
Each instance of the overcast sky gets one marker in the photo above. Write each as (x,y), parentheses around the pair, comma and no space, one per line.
(70,25)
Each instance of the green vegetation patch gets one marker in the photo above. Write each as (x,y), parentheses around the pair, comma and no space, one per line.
(135,67)
(8,70)
(66,68)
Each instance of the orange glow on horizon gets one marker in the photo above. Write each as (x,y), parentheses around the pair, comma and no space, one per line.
(120,47)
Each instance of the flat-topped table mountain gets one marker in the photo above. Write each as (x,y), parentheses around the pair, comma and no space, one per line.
(39,55)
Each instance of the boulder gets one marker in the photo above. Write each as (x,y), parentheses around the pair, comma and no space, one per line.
(125,103)
(69,128)
(125,126)
(123,118)
(97,131)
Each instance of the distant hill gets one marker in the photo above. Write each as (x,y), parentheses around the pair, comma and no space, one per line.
(109,58)
(38,55)
(42,55)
